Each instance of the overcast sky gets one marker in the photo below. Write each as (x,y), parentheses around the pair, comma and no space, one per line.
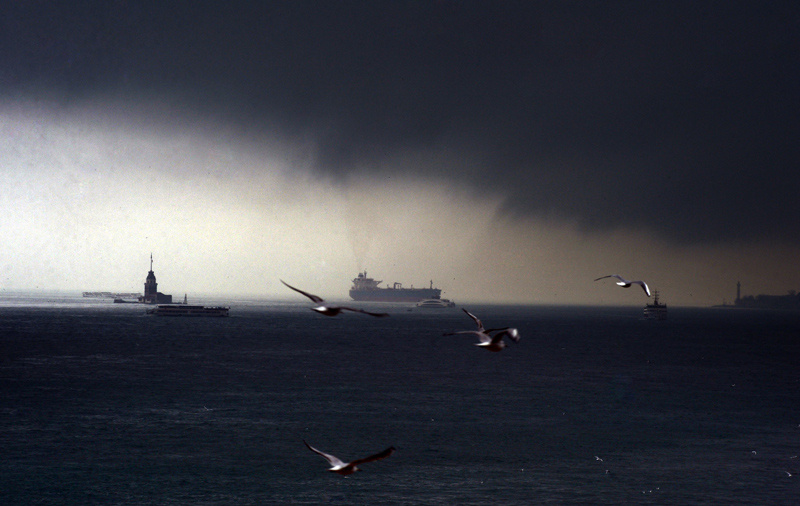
(508,151)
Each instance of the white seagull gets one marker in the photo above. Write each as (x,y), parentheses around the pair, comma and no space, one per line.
(347,468)
(487,341)
(330,310)
(624,283)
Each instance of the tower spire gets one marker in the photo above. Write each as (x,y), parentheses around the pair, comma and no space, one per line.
(150,285)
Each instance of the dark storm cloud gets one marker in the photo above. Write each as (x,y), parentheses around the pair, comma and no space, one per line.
(677,116)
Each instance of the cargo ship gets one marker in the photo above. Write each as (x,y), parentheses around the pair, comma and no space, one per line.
(366,289)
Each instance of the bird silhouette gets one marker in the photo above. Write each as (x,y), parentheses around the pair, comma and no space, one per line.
(329,310)
(487,340)
(624,283)
(346,468)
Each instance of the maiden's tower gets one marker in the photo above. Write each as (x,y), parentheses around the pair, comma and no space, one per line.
(151,293)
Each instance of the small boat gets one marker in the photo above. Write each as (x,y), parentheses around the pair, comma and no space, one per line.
(436,303)
(656,310)
(185,310)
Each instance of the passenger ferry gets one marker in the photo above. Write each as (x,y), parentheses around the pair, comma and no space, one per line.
(436,303)
(656,310)
(184,310)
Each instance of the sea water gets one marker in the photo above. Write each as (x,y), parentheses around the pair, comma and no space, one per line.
(103,404)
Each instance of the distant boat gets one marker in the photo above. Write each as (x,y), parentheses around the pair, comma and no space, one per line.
(366,289)
(656,310)
(436,303)
(185,310)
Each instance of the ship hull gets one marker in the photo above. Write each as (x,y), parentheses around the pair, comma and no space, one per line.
(652,312)
(395,294)
(191,311)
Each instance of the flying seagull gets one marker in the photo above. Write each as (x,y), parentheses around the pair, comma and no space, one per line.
(330,310)
(488,341)
(624,283)
(347,468)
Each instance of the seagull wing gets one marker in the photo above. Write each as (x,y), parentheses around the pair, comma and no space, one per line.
(509,332)
(474,318)
(644,286)
(382,455)
(379,315)
(311,296)
(333,461)
(623,280)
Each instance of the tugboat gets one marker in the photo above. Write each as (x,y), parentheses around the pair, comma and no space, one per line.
(656,310)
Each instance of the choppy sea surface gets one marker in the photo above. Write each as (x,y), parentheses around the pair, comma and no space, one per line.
(103,404)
